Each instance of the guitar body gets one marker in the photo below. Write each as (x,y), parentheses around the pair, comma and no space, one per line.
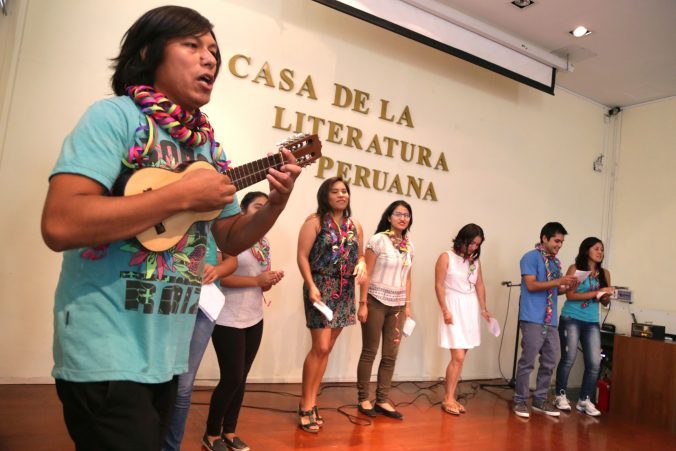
(171,230)
(305,148)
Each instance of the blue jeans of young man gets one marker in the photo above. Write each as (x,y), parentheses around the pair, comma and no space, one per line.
(536,339)
(198,344)
(572,332)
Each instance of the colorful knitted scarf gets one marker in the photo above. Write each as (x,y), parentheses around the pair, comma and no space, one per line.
(192,130)
(341,238)
(261,251)
(553,271)
(594,285)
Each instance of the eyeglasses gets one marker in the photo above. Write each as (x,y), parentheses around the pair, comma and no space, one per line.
(397,214)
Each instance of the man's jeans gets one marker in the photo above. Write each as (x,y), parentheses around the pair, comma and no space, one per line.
(572,331)
(198,344)
(536,338)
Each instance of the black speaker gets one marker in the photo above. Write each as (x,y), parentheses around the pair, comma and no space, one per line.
(647,331)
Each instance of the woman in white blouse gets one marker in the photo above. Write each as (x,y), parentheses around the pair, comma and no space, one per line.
(460,290)
(385,306)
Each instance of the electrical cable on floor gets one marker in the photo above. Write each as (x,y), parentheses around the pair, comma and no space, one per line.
(354,419)
(502,339)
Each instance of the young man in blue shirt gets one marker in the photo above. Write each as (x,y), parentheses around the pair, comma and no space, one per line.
(541,281)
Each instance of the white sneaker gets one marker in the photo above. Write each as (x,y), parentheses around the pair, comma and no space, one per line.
(562,402)
(588,407)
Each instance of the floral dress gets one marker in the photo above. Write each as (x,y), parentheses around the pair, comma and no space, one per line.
(333,258)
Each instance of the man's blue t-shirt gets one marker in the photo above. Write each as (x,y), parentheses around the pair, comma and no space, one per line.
(122,312)
(532,304)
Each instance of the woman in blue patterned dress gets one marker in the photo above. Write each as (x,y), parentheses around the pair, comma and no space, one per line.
(330,259)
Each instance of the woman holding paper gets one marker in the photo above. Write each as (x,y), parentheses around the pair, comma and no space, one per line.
(330,259)
(383,309)
(579,322)
(238,331)
(461,295)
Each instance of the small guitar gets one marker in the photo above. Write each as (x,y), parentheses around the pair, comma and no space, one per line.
(306,149)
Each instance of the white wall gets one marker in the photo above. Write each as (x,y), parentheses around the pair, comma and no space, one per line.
(645,215)
(518,158)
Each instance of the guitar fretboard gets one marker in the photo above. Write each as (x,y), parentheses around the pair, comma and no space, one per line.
(254,172)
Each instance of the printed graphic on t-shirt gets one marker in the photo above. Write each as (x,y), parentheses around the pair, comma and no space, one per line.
(166,282)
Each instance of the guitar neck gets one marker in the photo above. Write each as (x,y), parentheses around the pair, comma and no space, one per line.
(251,173)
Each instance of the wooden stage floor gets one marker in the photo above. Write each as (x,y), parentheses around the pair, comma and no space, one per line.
(31,419)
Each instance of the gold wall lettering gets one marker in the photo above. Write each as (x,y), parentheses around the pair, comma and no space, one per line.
(376,179)
(240,66)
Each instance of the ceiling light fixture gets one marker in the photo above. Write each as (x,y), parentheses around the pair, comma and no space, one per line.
(522,3)
(580,31)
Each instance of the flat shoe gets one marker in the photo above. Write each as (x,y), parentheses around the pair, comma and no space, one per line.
(368,412)
(388,413)
(450,408)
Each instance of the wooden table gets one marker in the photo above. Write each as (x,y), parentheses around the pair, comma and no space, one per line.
(643,386)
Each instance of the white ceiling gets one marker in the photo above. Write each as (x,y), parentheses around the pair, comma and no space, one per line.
(629,58)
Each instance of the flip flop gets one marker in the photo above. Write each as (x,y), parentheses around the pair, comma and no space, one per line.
(460,407)
(450,408)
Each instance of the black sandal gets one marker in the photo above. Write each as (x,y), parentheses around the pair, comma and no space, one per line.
(311,426)
(318,418)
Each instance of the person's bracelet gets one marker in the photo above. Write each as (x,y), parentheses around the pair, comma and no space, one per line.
(362,302)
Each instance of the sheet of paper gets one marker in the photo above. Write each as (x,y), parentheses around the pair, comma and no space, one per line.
(494,327)
(581,275)
(409,325)
(326,311)
(211,301)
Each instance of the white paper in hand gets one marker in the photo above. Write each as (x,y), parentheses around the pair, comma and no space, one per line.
(409,325)
(581,275)
(494,327)
(211,301)
(326,311)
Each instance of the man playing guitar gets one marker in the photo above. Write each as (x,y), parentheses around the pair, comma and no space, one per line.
(124,314)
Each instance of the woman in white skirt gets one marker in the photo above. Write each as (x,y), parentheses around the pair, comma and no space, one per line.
(461,294)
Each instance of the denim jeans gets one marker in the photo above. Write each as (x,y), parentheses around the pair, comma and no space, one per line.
(198,344)
(536,339)
(572,331)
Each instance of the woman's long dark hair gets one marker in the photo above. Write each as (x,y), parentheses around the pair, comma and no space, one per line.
(143,44)
(323,206)
(250,197)
(463,239)
(384,223)
(582,259)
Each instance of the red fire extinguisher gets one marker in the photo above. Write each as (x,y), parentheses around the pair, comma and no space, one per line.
(603,395)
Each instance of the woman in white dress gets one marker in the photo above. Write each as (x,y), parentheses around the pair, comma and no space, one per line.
(461,294)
